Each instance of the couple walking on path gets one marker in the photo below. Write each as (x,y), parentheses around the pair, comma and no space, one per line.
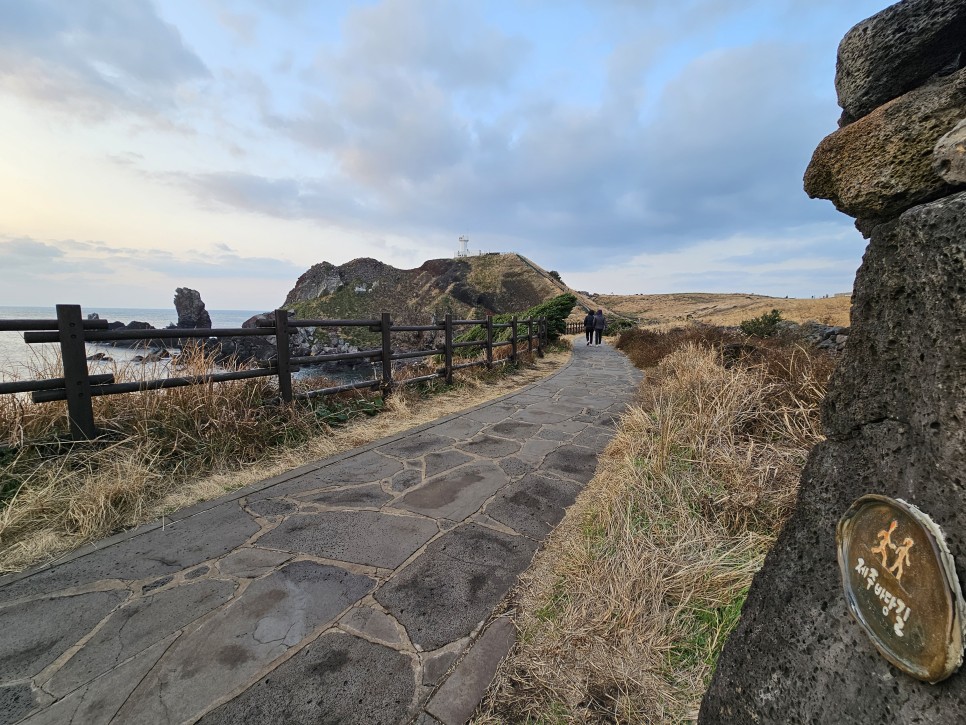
(594,325)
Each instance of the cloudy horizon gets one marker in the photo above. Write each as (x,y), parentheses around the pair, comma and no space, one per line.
(229,145)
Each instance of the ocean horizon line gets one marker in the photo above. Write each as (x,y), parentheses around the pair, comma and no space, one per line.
(95,308)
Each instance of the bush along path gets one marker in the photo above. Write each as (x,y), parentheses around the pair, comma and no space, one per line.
(359,589)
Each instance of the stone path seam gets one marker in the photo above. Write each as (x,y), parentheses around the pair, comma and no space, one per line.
(353,589)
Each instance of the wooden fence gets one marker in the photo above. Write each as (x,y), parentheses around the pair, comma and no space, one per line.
(575,328)
(78,387)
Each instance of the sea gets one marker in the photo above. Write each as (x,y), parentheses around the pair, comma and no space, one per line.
(17,358)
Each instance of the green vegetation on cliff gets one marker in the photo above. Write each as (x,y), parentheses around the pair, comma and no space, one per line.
(468,287)
(556,311)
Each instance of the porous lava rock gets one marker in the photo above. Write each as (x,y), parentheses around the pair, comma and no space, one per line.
(894,419)
(949,156)
(897,50)
(881,165)
(907,343)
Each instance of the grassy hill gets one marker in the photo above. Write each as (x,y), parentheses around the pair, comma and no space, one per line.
(467,287)
(724,309)
(472,287)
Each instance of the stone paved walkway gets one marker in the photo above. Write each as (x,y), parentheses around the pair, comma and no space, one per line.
(359,589)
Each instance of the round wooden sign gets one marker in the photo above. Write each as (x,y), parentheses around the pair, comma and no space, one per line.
(901,586)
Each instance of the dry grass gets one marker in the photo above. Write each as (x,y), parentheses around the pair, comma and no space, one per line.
(726,309)
(624,612)
(164,450)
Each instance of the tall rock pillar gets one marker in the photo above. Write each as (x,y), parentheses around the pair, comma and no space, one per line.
(895,414)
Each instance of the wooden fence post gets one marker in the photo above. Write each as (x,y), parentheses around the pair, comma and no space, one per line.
(489,341)
(540,331)
(530,336)
(73,353)
(386,355)
(282,364)
(513,337)
(448,346)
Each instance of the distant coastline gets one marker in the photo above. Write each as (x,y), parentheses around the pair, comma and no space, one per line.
(15,353)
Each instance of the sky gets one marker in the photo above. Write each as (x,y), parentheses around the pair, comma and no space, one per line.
(228,145)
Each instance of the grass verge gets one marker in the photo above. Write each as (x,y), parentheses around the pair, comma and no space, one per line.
(624,612)
(164,450)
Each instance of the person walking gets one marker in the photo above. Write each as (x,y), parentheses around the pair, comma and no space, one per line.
(589,326)
(599,324)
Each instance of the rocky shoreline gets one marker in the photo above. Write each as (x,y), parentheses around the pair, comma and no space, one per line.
(245,351)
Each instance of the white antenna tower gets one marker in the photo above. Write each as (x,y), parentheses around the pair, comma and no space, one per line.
(464,249)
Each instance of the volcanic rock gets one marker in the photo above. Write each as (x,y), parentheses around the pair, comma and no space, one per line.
(949,156)
(191,310)
(135,325)
(905,361)
(319,279)
(881,165)
(897,50)
(468,287)
(895,412)
(894,419)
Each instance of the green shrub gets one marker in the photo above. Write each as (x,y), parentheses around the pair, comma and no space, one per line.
(764,325)
(616,327)
(556,311)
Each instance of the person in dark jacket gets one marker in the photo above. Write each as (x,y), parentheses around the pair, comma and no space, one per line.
(599,324)
(589,326)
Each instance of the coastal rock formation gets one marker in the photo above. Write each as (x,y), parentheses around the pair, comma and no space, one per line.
(302,342)
(486,284)
(895,421)
(135,325)
(325,278)
(248,349)
(467,287)
(191,310)
(897,50)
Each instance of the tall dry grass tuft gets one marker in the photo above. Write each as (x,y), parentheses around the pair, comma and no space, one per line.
(647,347)
(623,615)
(163,450)
(55,492)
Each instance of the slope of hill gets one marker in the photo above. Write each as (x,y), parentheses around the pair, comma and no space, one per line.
(725,309)
(468,287)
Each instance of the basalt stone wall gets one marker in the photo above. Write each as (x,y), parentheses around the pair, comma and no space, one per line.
(895,414)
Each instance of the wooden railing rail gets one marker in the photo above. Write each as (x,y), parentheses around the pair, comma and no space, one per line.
(78,387)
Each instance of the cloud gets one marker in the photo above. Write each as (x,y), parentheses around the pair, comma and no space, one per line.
(242,25)
(95,269)
(801,262)
(93,58)
(26,255)
(446,41)
(216,260)
(321,200)
(404,121)
(389,105)
(721,150)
